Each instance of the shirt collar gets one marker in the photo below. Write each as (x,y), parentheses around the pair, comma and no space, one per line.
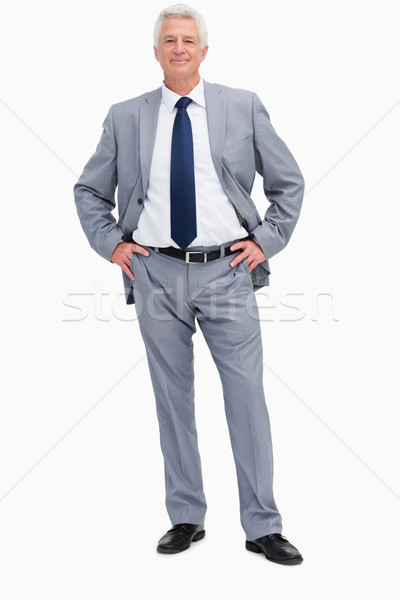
(170,98)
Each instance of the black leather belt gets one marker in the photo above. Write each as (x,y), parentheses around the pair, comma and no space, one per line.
(195,257)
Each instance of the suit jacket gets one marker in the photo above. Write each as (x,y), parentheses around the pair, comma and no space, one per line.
(242,142)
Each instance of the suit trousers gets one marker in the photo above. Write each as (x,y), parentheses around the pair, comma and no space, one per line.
(170,296)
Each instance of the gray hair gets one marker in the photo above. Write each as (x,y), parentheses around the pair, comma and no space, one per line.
(185,12)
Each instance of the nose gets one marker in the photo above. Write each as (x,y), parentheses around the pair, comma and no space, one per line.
(179,49)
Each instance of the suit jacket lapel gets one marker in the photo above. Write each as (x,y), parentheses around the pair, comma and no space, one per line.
(216,118)
(148,127)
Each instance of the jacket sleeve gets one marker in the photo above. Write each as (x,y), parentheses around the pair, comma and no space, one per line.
(282,181)
(94,194)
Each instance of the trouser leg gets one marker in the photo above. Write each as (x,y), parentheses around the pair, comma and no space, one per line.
(230,324)
(167,327)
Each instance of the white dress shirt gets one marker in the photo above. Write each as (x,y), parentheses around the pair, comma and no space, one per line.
(216,218)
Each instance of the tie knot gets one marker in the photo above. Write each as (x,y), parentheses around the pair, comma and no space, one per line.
(183,102)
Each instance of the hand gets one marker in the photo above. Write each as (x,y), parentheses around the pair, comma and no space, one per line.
(251,251)
(123,253)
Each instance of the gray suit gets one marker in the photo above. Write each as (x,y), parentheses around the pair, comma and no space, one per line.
(242,142)
(172,296)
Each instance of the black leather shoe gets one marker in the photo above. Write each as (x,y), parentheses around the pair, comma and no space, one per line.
(180,537)
(276,548)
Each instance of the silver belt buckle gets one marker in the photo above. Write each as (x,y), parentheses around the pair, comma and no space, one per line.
(187,256)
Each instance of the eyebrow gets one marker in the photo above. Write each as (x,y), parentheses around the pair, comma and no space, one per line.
(187,37)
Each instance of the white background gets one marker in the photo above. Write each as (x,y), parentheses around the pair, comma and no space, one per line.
(82,494)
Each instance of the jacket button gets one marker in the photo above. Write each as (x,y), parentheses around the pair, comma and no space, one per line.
(140,201)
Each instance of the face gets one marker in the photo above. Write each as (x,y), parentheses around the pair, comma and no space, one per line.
(179,51)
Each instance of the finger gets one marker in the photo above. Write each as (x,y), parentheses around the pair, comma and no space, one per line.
(256,261)
(125,265)
(238,246)
(128,272)
(252,265)
(140,250)
(127,262)
(238,259)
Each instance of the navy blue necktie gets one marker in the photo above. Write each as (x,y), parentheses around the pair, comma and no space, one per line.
(183,193)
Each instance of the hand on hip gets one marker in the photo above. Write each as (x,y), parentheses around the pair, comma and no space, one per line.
(122,256)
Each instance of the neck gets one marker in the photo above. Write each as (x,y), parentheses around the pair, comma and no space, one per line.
(182,87)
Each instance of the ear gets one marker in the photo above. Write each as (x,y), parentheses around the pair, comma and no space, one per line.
(155,53)
(204,53)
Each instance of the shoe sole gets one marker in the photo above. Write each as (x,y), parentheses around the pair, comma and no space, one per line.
(290,561)
(165,550)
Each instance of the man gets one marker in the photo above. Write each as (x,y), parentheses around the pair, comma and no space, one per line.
(193,247)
